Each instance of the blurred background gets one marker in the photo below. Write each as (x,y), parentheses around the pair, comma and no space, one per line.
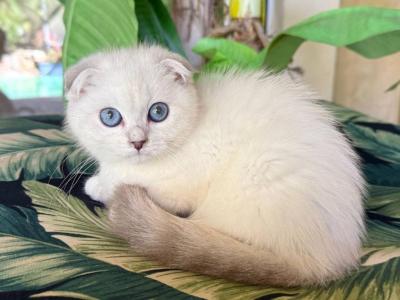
(32,32)
(31,35)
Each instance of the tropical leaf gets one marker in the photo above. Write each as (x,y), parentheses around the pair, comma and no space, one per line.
(381,190)
(10,125)
(370,31)
(381,144)
(63,215)
(156,25)
(31,260)
(223,53)
(381,281)
(214,288)
(95,25)
(382,234)
(37,154)
(378,277)
(68,219)
(386,203)
(381,255)
(378,174)
(345,115)
(13,223)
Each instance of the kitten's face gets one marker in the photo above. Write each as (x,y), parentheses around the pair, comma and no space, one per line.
(132,107)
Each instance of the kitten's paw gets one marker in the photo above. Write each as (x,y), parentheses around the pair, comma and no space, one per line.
(96,190)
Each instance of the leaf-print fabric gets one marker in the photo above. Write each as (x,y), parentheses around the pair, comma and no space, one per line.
(55,242)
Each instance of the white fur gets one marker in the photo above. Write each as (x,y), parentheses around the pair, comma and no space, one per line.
(246,153)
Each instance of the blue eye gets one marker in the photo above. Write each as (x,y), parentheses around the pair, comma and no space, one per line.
(110,117)
(158,112)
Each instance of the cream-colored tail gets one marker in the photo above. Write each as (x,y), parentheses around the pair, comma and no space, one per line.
(186,244)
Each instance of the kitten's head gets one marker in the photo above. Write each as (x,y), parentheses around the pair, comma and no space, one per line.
(131,104)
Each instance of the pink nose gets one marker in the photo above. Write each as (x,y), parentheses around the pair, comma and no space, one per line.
(138,144)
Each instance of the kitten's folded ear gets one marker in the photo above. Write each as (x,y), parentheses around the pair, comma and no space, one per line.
(179,67)
(77,77)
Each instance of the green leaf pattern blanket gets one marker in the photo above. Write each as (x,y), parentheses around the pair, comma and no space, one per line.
(55,242)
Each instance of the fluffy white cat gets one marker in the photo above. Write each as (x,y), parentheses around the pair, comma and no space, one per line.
(271,190)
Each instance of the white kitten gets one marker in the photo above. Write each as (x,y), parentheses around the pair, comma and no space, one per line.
(272,189)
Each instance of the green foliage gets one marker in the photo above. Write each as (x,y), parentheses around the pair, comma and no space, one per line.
(223,53)
(370,31)
(36,153)
(85,232)
(92,26)
(66,215)
(70,247)
(10,125)
(76,230)
(346,116)
(382,175)
(37,150)
(95,25)
(384,145)
(156,25)
(378,277)
(31,260)
(377,282)
(69,220)
(74,255)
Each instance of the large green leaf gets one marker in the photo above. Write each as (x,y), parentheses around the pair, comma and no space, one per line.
(382,144)
(38,154)
(63,215)
(13,224)
(382,234)
(383,225)
(95,25)
(68,219)
(370,31)
(31,260)
(9,125)
(156,25)
(378,277)
(387,175)
(223,53)
(386,203)
(345,115)
(378,282)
